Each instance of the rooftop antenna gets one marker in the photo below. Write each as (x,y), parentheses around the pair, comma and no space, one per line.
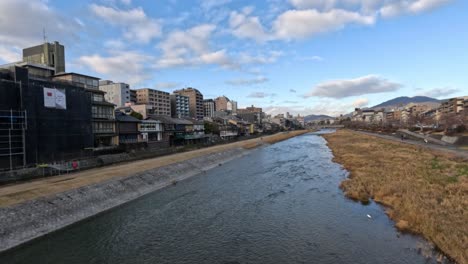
(44,35)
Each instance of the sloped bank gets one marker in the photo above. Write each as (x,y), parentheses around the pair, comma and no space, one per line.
(32,219)
(424,191)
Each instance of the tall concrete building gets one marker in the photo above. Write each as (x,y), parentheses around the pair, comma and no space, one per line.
(195,100)
(221,103)
(159,100)
(232,106)
(180,105)
(133,96)
(50,54)
(116,93)
(209,107)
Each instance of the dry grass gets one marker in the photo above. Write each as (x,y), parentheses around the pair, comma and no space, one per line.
(426,192)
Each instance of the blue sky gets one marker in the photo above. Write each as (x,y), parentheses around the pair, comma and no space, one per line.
(301,56)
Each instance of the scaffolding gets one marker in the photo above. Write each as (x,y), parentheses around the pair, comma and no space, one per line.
(13,126)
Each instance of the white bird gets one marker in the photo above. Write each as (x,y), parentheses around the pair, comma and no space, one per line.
(369,216)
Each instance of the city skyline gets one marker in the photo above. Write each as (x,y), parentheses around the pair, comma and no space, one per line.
(294,56)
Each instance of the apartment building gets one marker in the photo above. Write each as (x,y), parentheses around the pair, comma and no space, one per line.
(180,105)
(209,107)
(195,101)
(116,93)
(159,100)
(221,103)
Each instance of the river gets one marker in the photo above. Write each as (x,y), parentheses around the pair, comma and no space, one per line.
(278,204)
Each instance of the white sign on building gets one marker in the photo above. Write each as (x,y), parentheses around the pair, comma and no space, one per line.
(55,98)
(60,99)
(49,97)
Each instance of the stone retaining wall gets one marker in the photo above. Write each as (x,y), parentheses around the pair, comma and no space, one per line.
(30,220)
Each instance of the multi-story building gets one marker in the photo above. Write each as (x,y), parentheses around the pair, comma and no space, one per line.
(251,109)
(221,103)
(133,96)
(180,105)
(195,100)
(57,114)
(78,79)
(158,99)
(453,105)
(102,112)
(232,106)
(49,54)
(209,107)
(116,93)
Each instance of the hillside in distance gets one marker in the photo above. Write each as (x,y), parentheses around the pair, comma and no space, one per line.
(404,100)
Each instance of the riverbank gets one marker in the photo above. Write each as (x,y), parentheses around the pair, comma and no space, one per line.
(425,191)
(33,209)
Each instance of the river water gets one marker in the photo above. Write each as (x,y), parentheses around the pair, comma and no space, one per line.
(279,204)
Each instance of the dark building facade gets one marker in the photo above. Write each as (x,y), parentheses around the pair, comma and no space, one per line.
(57,117)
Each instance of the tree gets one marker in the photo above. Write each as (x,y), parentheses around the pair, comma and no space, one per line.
(136,115)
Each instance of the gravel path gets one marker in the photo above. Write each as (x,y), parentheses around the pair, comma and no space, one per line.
(448,149)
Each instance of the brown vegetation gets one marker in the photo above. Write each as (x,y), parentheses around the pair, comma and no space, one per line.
(426,192)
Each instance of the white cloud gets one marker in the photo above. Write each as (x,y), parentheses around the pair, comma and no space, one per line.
(268,58)
(120,66)
(260,95)
(311,58)
(440,92)
(360,102)
(244,26)
(8,55)
(317,4)
(308,18)
(395,8)
(137,26)
(244,82)
(22,23)
(167,85)
(353,87)
(209,4)
(296,24)
(191,47)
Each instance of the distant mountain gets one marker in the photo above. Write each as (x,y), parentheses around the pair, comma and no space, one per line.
(404,100)
(310,118)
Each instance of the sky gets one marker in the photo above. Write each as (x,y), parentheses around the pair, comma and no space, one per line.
(297,56)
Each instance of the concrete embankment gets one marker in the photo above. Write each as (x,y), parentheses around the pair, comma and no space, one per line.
(36,214)
(35,218)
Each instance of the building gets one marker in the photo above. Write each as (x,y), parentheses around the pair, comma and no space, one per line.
(103,119)
(251,109)
(77,79)
(49,54)
(232,106)
(158,99)
(133,96)
(221,103)
(209,108)
(195,100)
(116,93)
(145,110)
(151,131)
(51,120)
(127,128)
(453,105)
(180,106)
